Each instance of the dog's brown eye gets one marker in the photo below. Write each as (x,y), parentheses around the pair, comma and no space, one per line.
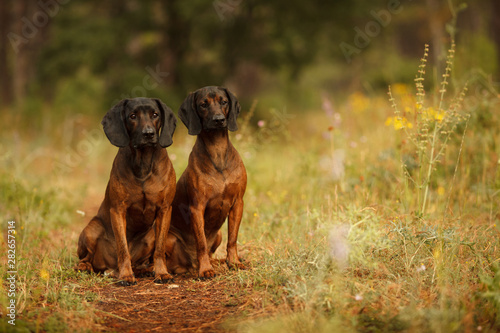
(133,116)
(204,104)
(155,115)
(223,102)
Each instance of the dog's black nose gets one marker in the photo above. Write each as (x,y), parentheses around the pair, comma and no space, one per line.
(148,132)
(219,119)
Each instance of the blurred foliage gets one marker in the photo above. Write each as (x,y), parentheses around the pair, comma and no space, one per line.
(277,51)
(197,43)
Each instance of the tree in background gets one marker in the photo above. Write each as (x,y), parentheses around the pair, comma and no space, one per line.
(23,28)
(176,46)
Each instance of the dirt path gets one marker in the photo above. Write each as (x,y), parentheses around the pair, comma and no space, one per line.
(186,305)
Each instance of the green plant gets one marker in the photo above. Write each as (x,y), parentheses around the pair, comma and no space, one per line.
(49,292)
(492,284)
(433,127)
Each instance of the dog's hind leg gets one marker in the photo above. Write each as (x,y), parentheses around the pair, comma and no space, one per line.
(216,243)
(177,261)
(87,245)
(141,253)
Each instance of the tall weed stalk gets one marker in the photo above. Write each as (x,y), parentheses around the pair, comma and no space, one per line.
(429,130)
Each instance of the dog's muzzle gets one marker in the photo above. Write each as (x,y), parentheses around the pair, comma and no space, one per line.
(218,121)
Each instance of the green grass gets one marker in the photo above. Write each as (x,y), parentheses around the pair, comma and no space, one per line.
(333,230)
(50,294)
(404,272)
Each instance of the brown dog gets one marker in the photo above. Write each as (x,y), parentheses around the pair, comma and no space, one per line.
(212,186)
(137,203)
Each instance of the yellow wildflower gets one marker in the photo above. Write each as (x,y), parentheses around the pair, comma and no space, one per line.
(436,253)
(432,114)
(400,89)
(44,274)
(398,123)
(441,191)
(439,116)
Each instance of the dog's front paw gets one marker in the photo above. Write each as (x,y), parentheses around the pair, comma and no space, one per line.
(235,265)
(128,280)
(207,274)
(163,278)
(144,272)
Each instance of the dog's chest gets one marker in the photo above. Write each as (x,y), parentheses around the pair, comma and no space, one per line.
(143,208)
(148,199)
(220,202)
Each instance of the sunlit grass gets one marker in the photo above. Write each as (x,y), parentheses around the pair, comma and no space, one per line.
(331,234)
(350,250)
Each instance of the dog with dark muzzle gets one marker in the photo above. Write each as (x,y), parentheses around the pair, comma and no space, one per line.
(129,232)
(211,188)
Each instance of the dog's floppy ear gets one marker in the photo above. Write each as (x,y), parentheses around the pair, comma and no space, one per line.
(113,124)
(168,123)
(189,116)
(234,110)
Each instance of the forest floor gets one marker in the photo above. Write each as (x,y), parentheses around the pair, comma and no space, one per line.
(188,304)
(185,305)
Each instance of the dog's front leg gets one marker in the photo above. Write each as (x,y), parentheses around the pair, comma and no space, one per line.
(161,233)
(119,225)
(234,220)
(205,269)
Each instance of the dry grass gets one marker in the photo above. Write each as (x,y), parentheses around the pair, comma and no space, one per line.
(331,233)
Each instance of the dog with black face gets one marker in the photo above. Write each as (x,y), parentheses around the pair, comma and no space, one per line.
(129,232)
(211,188)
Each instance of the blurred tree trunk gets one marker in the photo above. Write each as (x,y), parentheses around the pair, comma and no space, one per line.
(437,34)
(21,50)
(5,74)
(174,45)
(29,31)
(495,29)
